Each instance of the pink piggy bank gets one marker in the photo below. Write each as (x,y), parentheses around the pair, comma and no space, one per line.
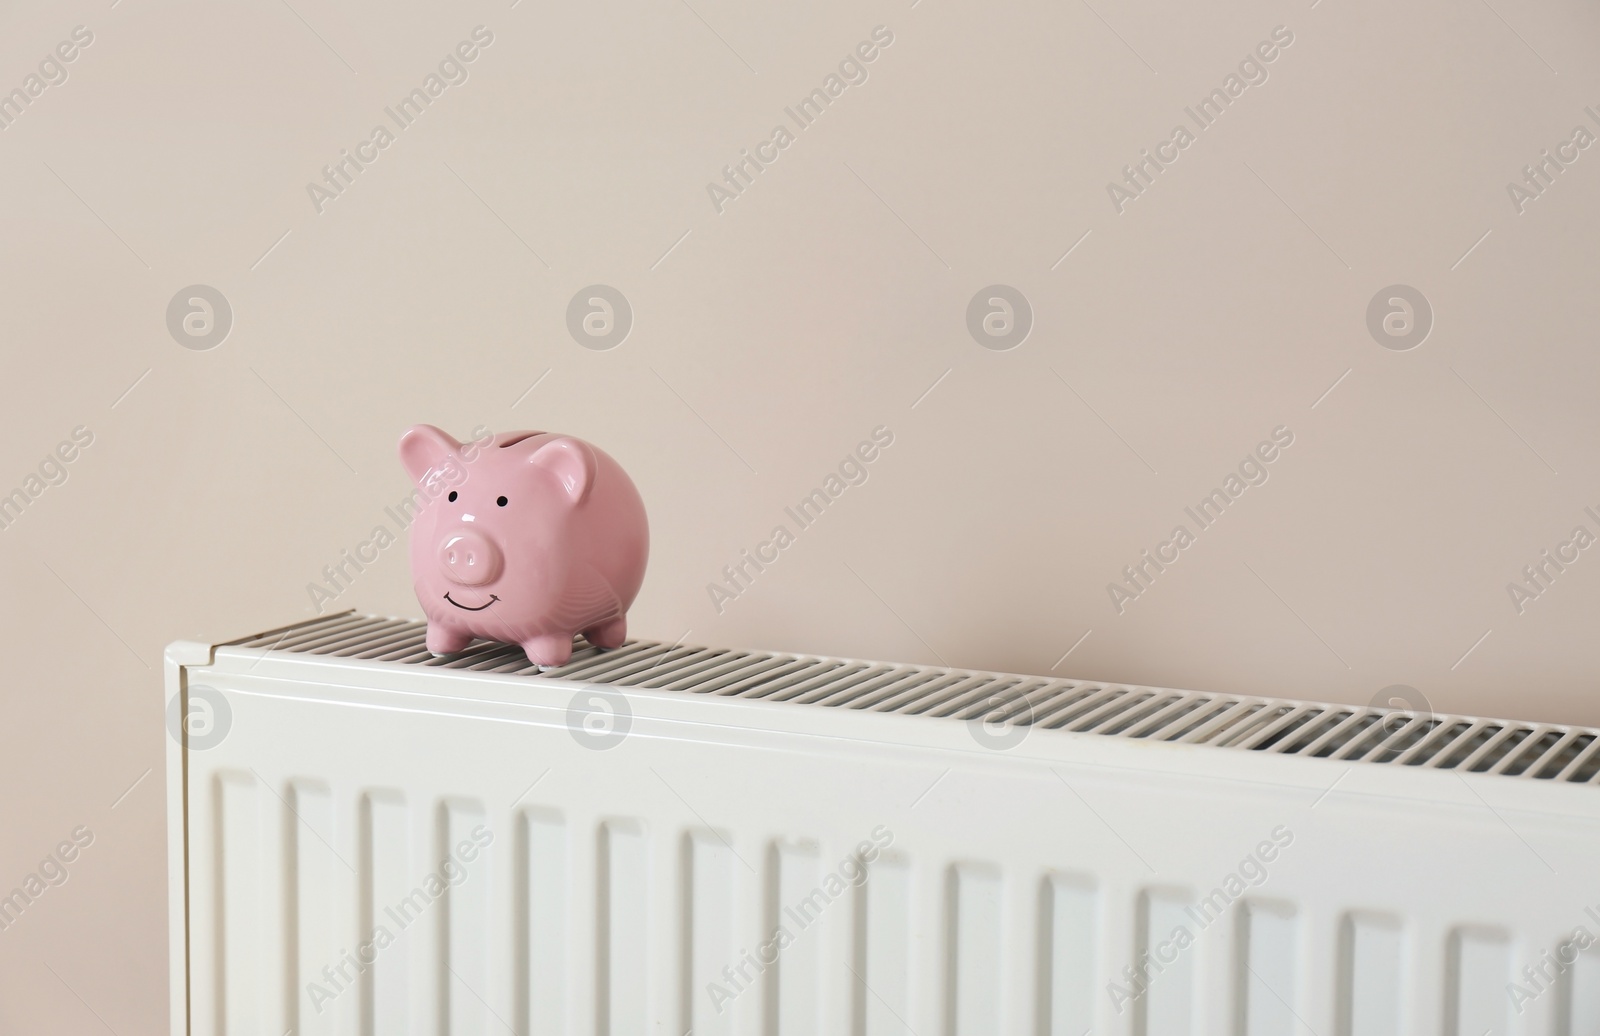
(523,537)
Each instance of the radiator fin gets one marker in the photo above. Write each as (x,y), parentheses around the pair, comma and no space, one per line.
(795,1009)
(388,874)
(623,1003)
(1280,726)
(242,930)
(975,938)
(882,986)
(710,944)
(542,893)
(321,881)
(1585,1005)
(1475,987)
(1068,906)
(465,864)
(1267,987)
(1371,955)
(1166,965)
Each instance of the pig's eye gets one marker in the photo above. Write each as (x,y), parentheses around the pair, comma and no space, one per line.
(501,501)
(452,496)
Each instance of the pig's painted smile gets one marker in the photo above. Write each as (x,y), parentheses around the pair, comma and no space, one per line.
(479,608)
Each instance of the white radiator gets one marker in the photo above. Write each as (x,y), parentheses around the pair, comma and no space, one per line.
(668,839)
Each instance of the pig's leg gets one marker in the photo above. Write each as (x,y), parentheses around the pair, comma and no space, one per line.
(548,650)
(609,634)
(446,640)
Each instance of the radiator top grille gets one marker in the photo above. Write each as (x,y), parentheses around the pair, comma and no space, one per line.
(1000,701)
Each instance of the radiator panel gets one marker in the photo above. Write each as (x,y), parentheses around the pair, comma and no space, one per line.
(382,846)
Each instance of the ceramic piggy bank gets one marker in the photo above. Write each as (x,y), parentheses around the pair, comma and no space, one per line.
(523,537)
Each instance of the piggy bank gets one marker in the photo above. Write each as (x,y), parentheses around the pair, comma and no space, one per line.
(523,537)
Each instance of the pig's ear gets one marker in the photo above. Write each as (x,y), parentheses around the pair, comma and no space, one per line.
(571,462)
(425,447)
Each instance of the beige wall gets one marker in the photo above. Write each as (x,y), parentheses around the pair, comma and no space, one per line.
(768,339)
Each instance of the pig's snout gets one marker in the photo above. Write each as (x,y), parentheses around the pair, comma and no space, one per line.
(469,559)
